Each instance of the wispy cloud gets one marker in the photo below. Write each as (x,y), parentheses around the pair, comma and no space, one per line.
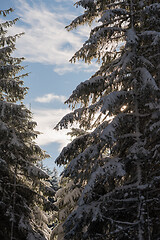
(47,98)
(64,1)
(46,40)
(46,120)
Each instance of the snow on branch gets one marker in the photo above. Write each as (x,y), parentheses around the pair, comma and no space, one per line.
(98,36)
(86,3)
(70,118)
(125,60)
(111,99)
(73,149)
(131,38)
(111,14)
(89,153)
(108,134)
(151,34)
(113,167)
(87,16)
(147,78)
(35,171)
(152,8)
(94,84)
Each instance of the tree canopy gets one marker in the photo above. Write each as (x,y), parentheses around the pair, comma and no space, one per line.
(115,164)
(23,189)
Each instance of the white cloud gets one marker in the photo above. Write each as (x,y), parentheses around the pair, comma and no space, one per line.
(46,40)
(50,97)
(47,120)
(64,1)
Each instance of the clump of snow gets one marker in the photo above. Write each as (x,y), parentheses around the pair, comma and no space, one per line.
(112,168)
(147,78)
(106,17)
(132,38)
(35,171)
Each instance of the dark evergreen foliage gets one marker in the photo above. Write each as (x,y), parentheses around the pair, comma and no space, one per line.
(117,163)
(23,193)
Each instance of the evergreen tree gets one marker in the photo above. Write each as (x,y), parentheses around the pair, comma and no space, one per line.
(65,198)
(54,179)
(22,184)
(52,175)
(117,163)
(66,201)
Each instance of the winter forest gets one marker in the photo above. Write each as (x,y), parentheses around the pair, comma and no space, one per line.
(110,186)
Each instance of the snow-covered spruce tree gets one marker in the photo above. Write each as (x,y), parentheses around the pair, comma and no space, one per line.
(52,175)
(54,179)
(65,198)
(66,202)
(118,163)
(22,184)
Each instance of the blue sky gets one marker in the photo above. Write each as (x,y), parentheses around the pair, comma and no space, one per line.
(47,47)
